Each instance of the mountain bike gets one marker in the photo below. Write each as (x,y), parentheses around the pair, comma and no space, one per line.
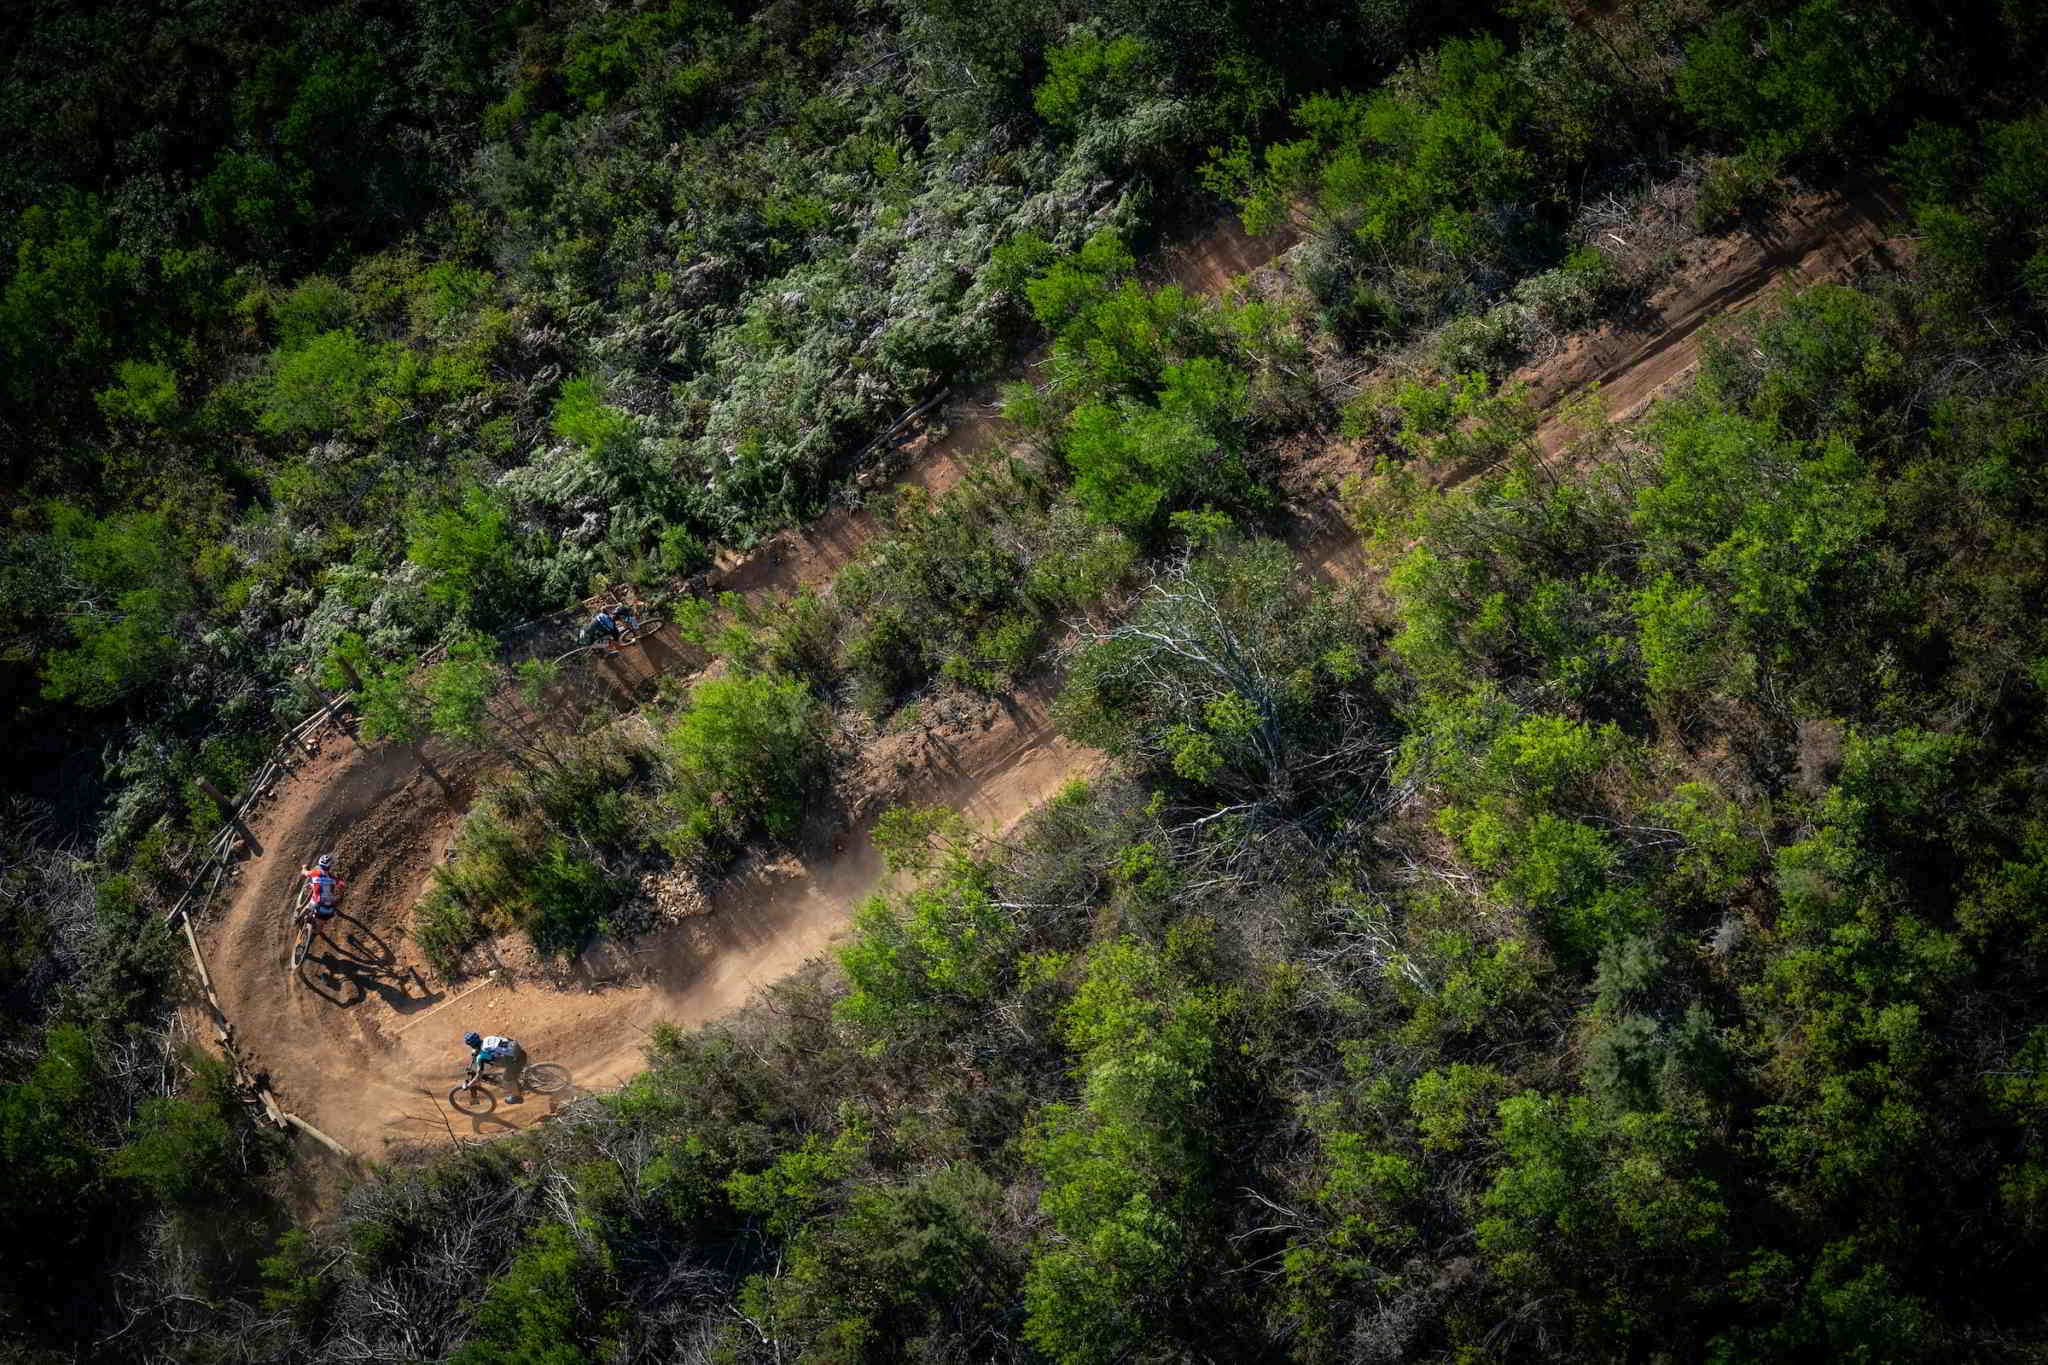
(634,635)
(303,941)
(480,1096)
(617,642)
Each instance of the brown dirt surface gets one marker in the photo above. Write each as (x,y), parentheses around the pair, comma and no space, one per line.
(936,456)
(1211,262)
(1812,238)
(364,1042)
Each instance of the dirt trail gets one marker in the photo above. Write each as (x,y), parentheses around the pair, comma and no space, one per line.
(968,429)
(1815,237)
(362,1041)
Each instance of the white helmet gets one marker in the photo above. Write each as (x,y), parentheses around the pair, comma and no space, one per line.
(325,862)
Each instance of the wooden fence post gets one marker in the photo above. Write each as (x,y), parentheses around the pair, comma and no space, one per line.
(228,809)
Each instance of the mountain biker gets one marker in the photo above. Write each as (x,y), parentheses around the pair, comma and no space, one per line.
(611,622)
(323,890)
(606,625)
(502,1052)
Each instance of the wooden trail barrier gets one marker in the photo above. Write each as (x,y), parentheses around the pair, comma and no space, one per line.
(235,833)
(213,870)
(314,1133)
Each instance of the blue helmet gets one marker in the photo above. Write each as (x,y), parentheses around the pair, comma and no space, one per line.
(472,1040)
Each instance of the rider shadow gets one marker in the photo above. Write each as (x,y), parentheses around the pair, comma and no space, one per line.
(484,1125)
(661,652)
(358,964)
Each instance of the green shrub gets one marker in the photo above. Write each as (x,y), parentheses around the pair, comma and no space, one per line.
(995,657)
(180,1150)
(146,394)
(1081,564)
(69,295)
(1135,462)
(1087,72)
(744,752)
(947,589)
(335,381)
(1487,343)
(1072,285)
(1402,166)
(898,1265)
(1571,295)
(135,591)
(475,562)
(928,955)
(582,416)
(249,199)
(295,1282)
(1734,189)
(542,853)
(1122,1165)
(444,928)
(549,1307)
(1825,70)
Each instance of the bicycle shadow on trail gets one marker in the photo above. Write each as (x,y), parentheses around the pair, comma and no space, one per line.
(348,963)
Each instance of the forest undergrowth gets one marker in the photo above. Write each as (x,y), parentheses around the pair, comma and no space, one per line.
(1609,928)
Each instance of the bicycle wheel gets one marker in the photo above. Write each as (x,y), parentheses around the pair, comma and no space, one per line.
(545,1079)
(302,946)
(639,632)
(476,1099)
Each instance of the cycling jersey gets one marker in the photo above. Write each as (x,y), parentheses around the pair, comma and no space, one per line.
(323,891)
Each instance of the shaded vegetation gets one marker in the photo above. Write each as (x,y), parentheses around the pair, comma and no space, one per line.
(1611,932)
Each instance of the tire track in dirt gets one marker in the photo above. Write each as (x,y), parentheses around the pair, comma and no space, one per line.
(372,1072)
(378,1081)
(388,825)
